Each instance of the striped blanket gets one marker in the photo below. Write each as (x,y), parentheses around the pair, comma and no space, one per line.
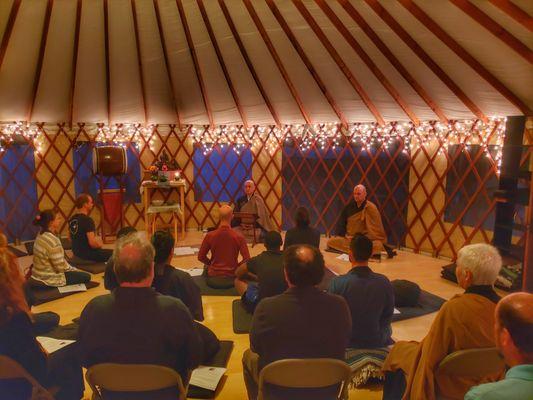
(365,364)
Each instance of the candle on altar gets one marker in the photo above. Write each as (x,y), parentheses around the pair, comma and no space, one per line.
(177,176)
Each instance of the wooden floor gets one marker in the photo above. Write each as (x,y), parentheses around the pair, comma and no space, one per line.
(217,309)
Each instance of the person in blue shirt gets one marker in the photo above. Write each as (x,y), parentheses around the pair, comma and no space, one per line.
(369,295)
(514,338)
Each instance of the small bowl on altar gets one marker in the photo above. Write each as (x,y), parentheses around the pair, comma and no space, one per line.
(157,203)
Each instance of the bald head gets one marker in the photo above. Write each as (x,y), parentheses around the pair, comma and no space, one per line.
(133,258)
(225,213)
(359,194)
(514,313)
(304,265)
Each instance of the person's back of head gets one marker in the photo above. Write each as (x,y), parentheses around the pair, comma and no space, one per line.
(304,265)
(125,231)
(163,243)
(133,260)
(81,200)
(273,241)
(225,214)
(44,218)
(478,264)
(360,248)
(302,217)
(12,300)
(514,328)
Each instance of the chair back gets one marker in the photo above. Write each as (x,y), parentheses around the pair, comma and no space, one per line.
(305,374)
(472,363)
(10,369)
(132,378)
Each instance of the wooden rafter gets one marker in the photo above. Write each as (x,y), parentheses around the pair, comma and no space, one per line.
(248,61)
(167,64)
(424,57)
(354,14)
(496,29)
(39,66)
(74,62)
(346,70)
(196,62)
(139,59)
(515,13)
(308,64)
(9,29)
(221,62)
(108,76)
(453,45)
(277,59)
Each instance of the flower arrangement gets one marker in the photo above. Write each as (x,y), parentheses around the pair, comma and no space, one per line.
(159,170)
(153,173)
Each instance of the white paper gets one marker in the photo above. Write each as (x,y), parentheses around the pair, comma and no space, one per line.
(51,344)
(193,271)
(343,257)
(207,377)
(185,251)
(72,288)
(396,311)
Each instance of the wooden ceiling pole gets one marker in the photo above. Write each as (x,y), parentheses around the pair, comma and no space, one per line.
(515,12)
(139,60)
(38,68)
(424,57)
(277,59)
(496,29)
(196,62)
(221,62)
(453,45)
(74,63)
(248,61)
(167,64)
(309,65)
(346,71)
(9,29)
(352,12)
(108,77)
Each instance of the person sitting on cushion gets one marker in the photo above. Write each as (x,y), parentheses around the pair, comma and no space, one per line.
(60,369)
(302,233)
(464,322)
(225,244)
(360,216)
(262,276)
(85,244)
(49,265)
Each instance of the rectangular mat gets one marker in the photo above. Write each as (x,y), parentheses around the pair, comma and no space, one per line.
(44,295)
(428,303)
(209,291)
(219,360)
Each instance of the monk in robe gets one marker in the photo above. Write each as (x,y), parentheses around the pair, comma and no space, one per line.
(251,202)
(359,216)
(464,322)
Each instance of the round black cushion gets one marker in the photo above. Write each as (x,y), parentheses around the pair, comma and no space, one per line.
(406,293)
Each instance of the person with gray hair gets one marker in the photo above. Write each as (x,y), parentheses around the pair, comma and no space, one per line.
(134,324)
(464,322)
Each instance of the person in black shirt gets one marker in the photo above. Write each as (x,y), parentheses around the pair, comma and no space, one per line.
(85,244)
(302,233)
(369,295)
(134,324)
(262,276)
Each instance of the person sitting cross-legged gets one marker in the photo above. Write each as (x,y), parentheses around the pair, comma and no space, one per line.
(302,233)
(514,337)
(262,276)
(303,322)
(369,295)
(136,325)
(224,244)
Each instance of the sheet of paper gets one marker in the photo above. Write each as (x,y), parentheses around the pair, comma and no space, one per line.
(51,344)
(193,271)
(72,288)
(207,377)
(185,251)
(343,257)
(396,311)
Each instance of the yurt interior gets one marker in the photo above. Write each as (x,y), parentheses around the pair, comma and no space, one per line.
(165,164)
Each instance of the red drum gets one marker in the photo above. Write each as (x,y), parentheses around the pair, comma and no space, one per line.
(110,160)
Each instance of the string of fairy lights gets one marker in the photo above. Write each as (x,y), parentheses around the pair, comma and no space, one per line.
(369,137)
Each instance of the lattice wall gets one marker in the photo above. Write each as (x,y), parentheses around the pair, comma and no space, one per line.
(425,202)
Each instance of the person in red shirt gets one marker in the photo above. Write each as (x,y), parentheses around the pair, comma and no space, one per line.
(225,244)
